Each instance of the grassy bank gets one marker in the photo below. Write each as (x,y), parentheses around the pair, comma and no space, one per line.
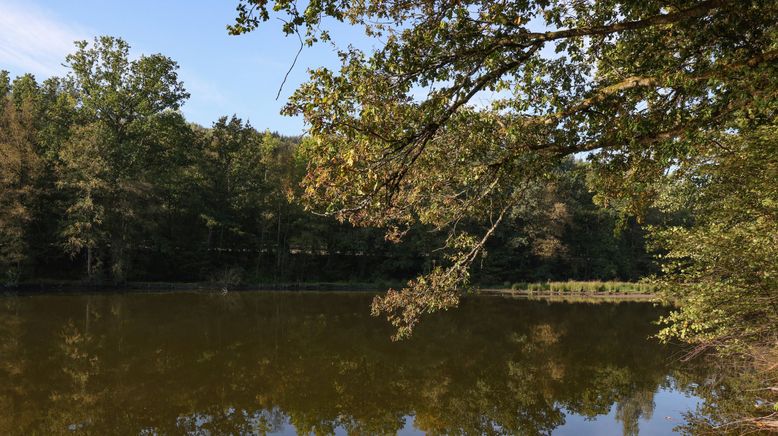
(581,288)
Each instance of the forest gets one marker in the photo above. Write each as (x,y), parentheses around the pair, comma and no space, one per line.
(104,181)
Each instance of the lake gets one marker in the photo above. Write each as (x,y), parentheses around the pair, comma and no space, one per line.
(296,362)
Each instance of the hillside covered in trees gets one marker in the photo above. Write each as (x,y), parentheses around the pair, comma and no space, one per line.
(104,180)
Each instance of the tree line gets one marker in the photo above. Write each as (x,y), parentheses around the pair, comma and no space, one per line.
(103,179)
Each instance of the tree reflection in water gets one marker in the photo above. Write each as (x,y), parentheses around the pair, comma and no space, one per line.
(256,363)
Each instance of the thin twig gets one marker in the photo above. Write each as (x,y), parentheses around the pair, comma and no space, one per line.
(300,50)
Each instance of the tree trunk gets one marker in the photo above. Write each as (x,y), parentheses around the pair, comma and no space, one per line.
(89,271)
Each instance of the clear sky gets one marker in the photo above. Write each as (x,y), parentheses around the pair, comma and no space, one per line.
(224,74)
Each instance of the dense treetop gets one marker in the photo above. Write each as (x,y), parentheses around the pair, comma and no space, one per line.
(635,81)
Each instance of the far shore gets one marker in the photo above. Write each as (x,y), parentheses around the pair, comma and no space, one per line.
(567,295)
(76,287)
(67,287)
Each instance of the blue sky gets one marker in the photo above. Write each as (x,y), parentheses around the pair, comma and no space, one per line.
(225,74)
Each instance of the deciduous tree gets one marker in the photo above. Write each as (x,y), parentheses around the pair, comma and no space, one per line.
(640,85)
(106,163)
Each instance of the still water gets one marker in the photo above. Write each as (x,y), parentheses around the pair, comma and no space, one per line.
(288,363)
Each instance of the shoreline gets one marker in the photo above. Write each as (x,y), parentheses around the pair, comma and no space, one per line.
(164,287)
(566,294)
(572,297)
(74,288)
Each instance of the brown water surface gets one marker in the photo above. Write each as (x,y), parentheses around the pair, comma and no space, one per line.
(279,362)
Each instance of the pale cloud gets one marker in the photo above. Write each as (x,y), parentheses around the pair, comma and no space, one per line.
(34,40)
(200,88)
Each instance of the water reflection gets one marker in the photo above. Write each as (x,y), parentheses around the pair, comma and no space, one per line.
(258,363)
